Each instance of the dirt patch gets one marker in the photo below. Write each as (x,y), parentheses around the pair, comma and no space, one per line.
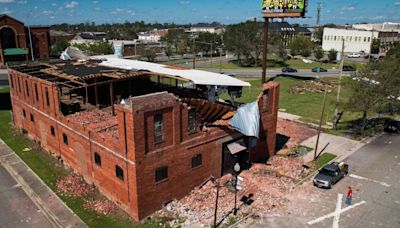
(314,86)
(73,186)
(103,206)
(296,132)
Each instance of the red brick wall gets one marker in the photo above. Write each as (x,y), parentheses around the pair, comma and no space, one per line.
(41,39)
(18,27)
(135,152)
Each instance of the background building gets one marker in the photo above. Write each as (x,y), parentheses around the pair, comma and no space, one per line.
(15,40)
(356,41)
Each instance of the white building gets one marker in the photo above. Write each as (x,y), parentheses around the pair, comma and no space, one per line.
(153,36)
(210,29)
(356,41)
(384,27)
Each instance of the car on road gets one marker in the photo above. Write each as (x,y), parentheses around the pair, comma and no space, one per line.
(353,55)
(319,69)
(392,126)
(289,70)
(348,68)
(330,174)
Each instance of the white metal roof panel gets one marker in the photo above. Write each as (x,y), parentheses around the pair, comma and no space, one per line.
(198,77)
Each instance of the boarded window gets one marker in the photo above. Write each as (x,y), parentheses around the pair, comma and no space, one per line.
(119,172)
(27,88)
(266,101)
(32,119)
(197,160)
(36,92)
(53,131)
(161,174)
(65,139)
(97,160)
(47,96)
(19,85)
(192,120)
(158,128)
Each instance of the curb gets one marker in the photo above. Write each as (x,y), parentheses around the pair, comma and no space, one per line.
(55,220)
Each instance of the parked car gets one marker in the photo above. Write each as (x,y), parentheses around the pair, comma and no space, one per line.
(392,126)
(330,174)
(354,55)
(319,69)
(289,70)
(348,68)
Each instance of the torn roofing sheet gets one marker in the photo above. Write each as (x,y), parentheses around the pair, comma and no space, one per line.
(247,120)
(198,77)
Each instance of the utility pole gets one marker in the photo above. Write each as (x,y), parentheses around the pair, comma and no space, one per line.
(216,204)
(194,51)
(320,123)
(318,13)
(265,49)
(336,117)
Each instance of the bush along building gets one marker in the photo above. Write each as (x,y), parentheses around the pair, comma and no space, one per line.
(144,134)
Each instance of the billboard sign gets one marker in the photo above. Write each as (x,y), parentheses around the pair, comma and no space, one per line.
(284,8)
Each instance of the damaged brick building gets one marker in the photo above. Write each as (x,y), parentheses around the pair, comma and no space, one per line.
(142,137)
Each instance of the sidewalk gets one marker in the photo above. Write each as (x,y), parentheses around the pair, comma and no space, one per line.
(339,146)
(42,196)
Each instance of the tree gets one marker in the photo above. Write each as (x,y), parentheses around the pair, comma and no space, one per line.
(98,48)
(168,51)
(147,52)
(332,55)
(319,33)
(282,52)
(59,47)
(364,93)
(301,45)
(182,48)
(376,43)
(245,40)
(318,53)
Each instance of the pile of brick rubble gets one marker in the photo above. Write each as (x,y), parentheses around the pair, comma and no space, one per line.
(270,184)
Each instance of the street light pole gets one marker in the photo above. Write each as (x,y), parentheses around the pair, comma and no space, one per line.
(236,168)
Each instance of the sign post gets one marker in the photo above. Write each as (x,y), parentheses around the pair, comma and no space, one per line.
(278,9)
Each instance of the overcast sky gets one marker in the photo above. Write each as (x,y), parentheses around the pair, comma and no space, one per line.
(47,12)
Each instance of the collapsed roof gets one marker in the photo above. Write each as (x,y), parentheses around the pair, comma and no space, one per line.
(198,77)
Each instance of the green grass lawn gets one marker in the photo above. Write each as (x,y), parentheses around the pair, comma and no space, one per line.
(323,159)
(5,90)
(272,63)
(308,105)
(49,170)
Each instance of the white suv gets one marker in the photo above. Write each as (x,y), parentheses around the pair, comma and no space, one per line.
(354,55)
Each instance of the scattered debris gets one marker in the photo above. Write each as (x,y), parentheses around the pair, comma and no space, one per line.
(73,186)
(27,149)
(103,206)
(314,86)
(270,185)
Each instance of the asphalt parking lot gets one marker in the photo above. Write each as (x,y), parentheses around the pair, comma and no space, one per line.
(374,177)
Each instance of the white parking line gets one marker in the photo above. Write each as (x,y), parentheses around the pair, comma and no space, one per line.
(312,222)
(336,218)
(375,181)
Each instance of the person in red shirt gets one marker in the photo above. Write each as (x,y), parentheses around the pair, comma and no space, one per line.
(349,198)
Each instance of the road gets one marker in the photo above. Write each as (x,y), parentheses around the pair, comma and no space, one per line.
(374,177)
(16,208)
(243,73)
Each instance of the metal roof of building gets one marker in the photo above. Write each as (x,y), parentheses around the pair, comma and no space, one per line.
(198,77)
